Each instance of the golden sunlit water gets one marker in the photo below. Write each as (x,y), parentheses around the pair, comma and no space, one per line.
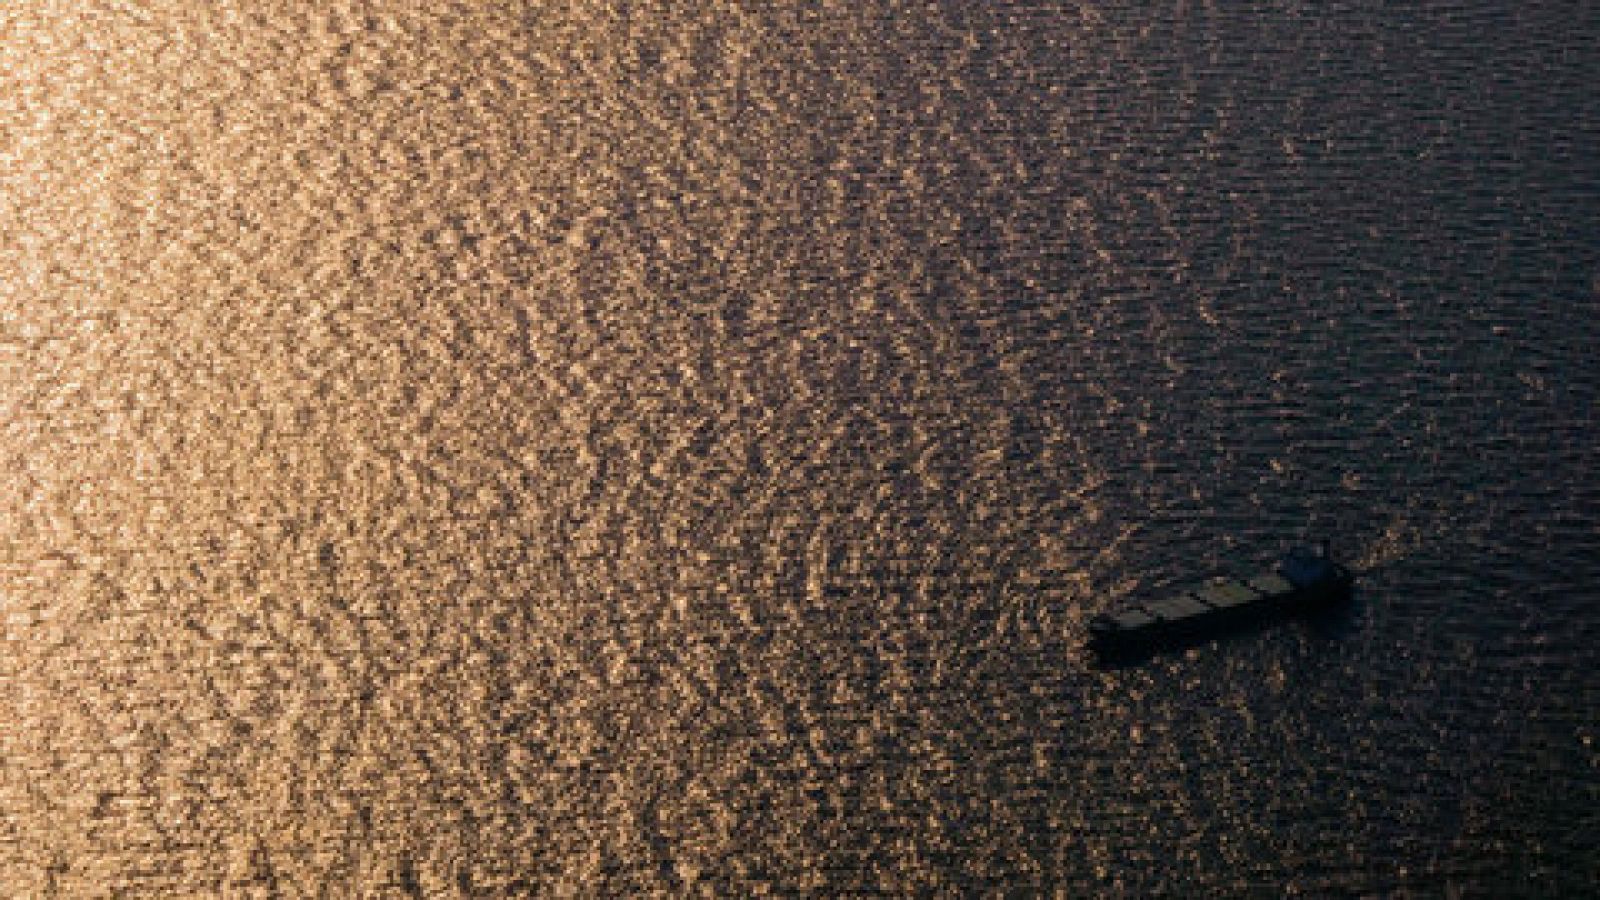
(612,449)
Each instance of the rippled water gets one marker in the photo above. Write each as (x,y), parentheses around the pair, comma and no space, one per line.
(498,449)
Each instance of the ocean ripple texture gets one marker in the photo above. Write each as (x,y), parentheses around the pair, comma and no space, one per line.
(468,449)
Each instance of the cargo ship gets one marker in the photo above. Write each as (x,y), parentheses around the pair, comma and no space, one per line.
(1304,579)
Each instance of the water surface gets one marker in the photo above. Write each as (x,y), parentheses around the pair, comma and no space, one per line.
(504,449)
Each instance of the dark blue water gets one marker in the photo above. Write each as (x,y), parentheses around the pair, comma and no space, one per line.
(616,450)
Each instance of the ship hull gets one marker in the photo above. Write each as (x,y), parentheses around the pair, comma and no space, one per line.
(1218,606)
